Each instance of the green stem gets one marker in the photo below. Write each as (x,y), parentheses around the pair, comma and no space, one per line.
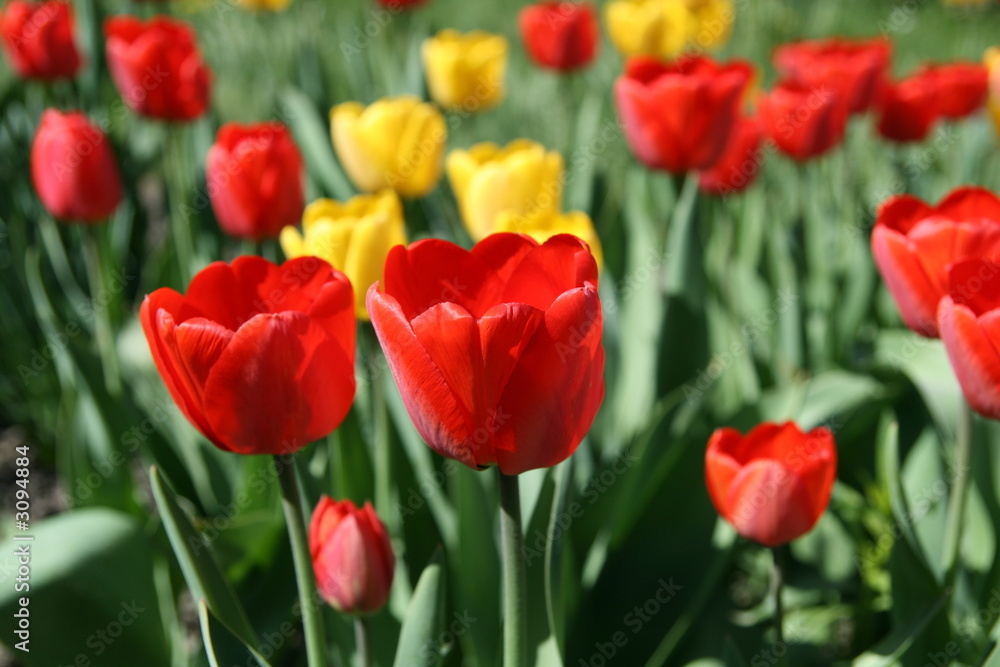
(361,642)
(777,584)
(100,301)
(176,171)
(312,614)
(951,559)
(515,625)
(380,432)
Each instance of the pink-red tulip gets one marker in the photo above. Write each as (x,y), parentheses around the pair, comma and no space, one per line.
(351,556)
(73,168)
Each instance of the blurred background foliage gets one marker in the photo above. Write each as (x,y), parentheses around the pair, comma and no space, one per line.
(761,306)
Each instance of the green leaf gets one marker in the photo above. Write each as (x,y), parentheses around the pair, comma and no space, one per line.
(313,138)
(198,562)
(222,646)
(424,622)
(92,587)
(890,649)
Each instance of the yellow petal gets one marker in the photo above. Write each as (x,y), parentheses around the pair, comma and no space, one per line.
(361,166)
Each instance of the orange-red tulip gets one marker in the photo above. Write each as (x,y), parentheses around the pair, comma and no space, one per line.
(561,35)
(914,243)
(854,70)
(740,162)
(803,122)
(774,483)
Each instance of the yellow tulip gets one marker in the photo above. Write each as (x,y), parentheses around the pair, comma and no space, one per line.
(395,143)
(543,226)
(992,61)
(649,27)
(712,22)
(354,237)
(264,5)
(488,179)
(465,72)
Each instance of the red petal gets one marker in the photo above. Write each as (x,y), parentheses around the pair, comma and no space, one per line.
(562,263)
(769,505)
(915,293)
(553,395)
(281,384)
(970,203)
(973,356)
(720,467)
(429,400)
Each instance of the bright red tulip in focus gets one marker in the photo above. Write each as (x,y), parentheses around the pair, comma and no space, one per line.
(803,122)
(739,164)
(853,69)
(679,116)
(914,243)
(561,35)
(259,357)
(496,352)
(351,556)
(969,318)
(157,67)
(909,108)
(774,483)
(961,87)
(73,168)
(38,39)
(255,180)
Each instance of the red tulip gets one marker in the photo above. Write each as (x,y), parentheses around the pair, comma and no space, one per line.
(679,116)
(908,109)
(961,87)
(38,39)
(73,168)
(259,357)
(914,243)
(803,122)
(773,484)
(401,4)
(351,556)
(254,175)
(496,352)
(739,164)
(852,69)
(157,67)
(560,35)
(969,318)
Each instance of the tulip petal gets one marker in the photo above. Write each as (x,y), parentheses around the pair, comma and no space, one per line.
(902,213)
(720,466)
(973,356)
(915,293)
(280,384)
(768,504)
(430,402)
(342,568)
(562,263)
(970,203)
(553,395)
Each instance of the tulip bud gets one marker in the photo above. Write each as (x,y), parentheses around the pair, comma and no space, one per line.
(38,39)
(908,109)
(396,143)
(354,237)
(543,226)
(351,555)
(73,168)
(739,164)
(465,72)
(522,178)
(774,483)
(658,28)
(853,70)
(712,22)
(254,175)
(803,122)
(157,67)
